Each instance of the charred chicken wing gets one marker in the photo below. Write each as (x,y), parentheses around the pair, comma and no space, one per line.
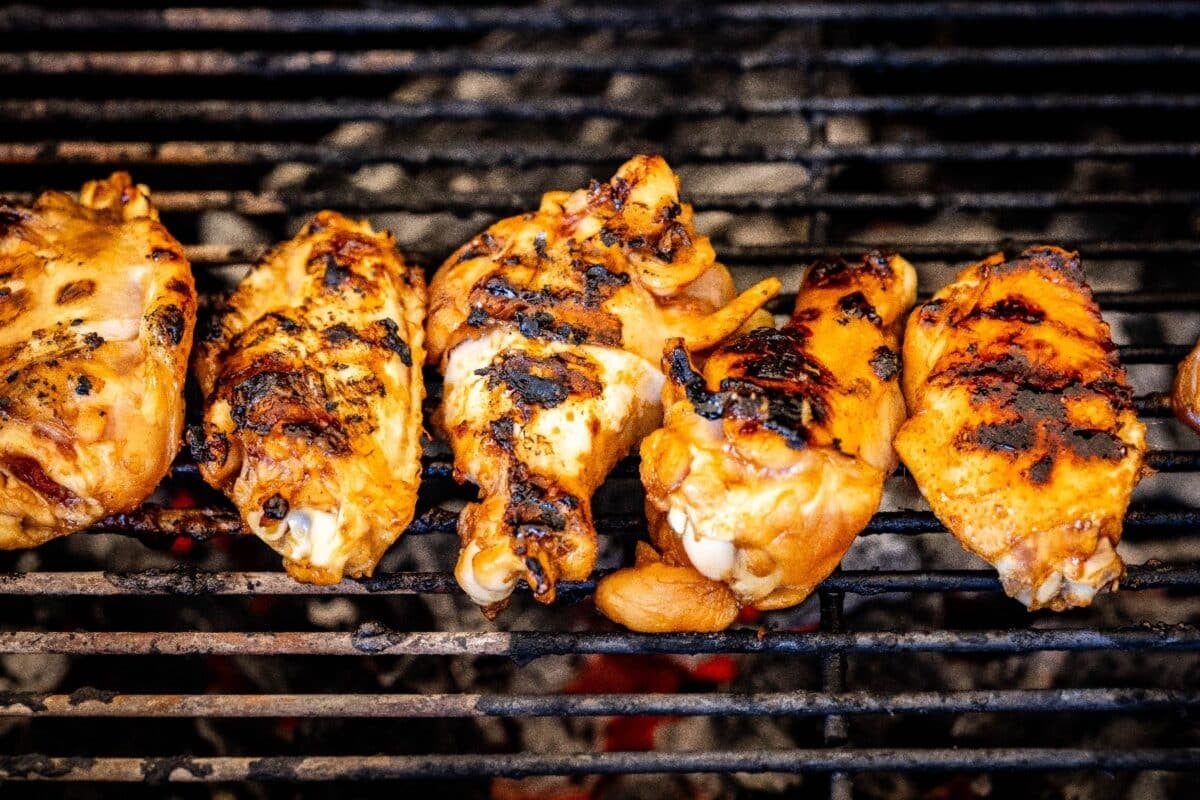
(772,458)
(1023,436)
(1186,392)
(312,380)
(548,328)
(97,307)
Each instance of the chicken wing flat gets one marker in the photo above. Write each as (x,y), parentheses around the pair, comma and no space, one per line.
(312,379)
(1023,436)
(1185,393)
(549,328)
(97,307)
(772,459)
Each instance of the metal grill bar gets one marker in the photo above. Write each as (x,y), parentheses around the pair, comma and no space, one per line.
(328,768)
(192,583)
(272,203)
(524,154)
(310,63)
(280,112)
(523,646)
(29,19)
(201,524)
(204,255)
(92,703)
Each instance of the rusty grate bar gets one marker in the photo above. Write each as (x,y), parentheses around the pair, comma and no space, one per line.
(194,583)
(523,646)
(92,703)
(205,255)
(202,524)
(30,19)
(282,112)
(361,768)
(486,154)
(311,63)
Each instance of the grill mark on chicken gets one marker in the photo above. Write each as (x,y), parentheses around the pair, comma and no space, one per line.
(777,386)
(855,306)
(541,381)
(212,449)
(834,272)
(12,305)
(293,400)
(335,273)
(29,471)
(393,342)
(562,315)
(169,323)
(885,363)
(1012,309)
(76,290)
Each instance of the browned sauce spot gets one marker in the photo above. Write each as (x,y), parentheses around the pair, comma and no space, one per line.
(75,290)
(542,381)
(29,471)
(12,305)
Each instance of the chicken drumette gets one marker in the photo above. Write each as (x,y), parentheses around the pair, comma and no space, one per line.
(772,458)
(97,307)
(312,379)
(1023,436)
(549,328)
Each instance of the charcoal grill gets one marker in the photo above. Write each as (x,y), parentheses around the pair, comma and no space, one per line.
(947,130)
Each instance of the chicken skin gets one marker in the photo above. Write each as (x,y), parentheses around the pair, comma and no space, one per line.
(312,379)
(1185,393)
(548,328)
(1023,436)
(773,458)
(97,307)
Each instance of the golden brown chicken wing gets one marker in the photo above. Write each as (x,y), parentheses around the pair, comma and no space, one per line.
(312,380)
(771,460)
(549,327)
(1023,436)
(97,307)
(1185,394)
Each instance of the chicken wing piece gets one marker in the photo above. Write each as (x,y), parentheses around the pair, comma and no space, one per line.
(772,459)
(1023,436)
(97,306)
(549,328)
(1185,394)
(312,379)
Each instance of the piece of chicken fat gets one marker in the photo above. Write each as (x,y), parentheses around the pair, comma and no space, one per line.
(548,328)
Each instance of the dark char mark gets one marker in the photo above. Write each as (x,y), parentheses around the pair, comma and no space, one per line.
(83,385)
(544,382)
(275,507)
(169,322)
(856,306)
(392,341)
(75,290)
(207,449)
(885,363)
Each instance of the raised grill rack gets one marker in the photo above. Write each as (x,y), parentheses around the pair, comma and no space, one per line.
(202,102)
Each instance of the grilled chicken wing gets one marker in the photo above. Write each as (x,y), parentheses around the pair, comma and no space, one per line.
(1185,394)
(772,459)
(548,328)
(1023,436)
(312,379)
(97,307)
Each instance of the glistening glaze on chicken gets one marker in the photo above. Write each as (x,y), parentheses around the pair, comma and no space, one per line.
(772,458)
(312,379)
(549,327)
(1023,436)
(97,307)
(1185,392)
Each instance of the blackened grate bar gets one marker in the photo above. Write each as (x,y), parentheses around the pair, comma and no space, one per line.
(523,646)
(328,768)
(93,703)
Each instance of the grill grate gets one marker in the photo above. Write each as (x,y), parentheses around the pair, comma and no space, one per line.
(914,124)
